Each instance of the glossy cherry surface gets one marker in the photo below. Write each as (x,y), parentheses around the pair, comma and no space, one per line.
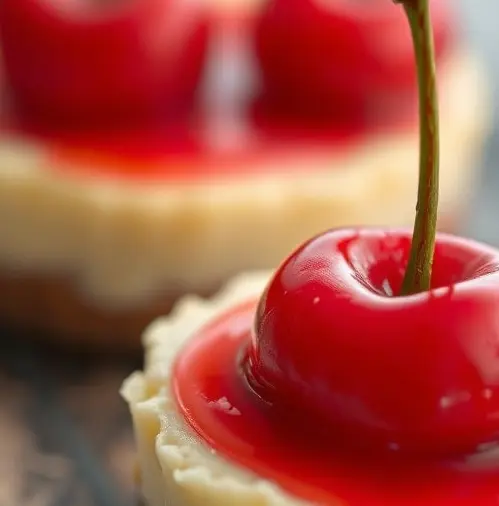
(339,57)
(416,373)
(101,61)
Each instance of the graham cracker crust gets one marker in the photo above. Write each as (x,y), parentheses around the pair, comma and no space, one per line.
(52,309)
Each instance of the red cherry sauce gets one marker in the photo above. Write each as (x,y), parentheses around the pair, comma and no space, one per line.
(306,460)
(188,151)
(209,141)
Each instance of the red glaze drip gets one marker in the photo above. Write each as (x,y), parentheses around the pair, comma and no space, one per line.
(327,57)
(327,332)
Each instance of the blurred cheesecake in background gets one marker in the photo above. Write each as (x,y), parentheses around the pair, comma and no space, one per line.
(150,148)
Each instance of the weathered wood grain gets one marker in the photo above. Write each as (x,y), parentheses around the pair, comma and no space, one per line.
(65,433)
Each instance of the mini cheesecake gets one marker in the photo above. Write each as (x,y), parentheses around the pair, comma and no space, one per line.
(102,229)
(206,436)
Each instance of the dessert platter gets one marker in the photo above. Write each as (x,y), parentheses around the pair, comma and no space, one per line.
(363,372)
(150,149)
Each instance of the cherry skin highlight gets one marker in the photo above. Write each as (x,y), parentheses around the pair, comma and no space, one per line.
(83,61)
(417,374)
(340,57)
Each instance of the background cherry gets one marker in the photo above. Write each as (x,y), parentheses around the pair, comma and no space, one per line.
(418,373)
(334,57)
(93,61)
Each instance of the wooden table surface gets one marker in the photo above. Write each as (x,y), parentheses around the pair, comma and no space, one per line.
(65,434)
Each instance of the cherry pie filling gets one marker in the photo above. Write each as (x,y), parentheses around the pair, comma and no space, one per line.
(96,69)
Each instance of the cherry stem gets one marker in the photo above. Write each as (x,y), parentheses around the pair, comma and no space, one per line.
(417,277)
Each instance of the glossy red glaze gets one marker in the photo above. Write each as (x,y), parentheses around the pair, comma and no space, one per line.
(328,57)
(86,56)
(82,61)
(204,142)
(339,365)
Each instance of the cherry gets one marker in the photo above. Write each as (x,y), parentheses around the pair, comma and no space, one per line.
(386,338)
(416,373)
(93,61)
(333,57)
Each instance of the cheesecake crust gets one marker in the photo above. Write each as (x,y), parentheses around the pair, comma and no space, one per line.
(51,308)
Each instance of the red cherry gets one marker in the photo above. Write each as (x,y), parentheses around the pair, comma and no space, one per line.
(82,61)
(329,57)
(417,373)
